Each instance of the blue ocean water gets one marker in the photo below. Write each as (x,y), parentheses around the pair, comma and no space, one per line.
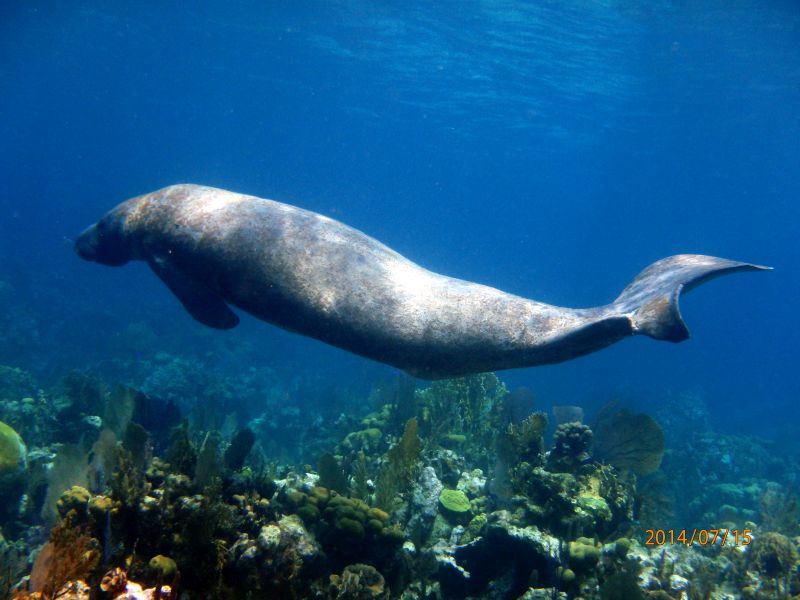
(547,149)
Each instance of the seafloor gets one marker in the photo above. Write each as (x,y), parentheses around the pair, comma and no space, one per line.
(459,489)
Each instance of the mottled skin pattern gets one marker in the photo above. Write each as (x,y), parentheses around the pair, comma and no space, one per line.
(310,274)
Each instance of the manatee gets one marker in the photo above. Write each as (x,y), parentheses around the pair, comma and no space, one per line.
(315,276)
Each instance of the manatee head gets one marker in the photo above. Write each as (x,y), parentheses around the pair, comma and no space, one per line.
(106,241)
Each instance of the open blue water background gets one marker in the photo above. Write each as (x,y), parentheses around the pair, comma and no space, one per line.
(550,149)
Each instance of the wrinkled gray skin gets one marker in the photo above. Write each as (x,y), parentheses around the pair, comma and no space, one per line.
(315,276)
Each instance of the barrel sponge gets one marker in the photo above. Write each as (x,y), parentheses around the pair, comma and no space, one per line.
(12,450)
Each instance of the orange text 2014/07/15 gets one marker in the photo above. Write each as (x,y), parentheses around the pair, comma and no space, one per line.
(701,537)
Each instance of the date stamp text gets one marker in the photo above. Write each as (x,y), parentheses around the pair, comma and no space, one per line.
(701,537)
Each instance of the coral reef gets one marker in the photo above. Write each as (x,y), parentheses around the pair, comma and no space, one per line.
(470,406)
(439,493)
(358,582)
(571,444)
(281,560)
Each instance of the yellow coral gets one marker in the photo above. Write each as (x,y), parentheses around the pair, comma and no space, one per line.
(12,450)
(163,566)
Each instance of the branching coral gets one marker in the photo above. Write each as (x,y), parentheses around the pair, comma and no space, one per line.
(359,486)
(571,444)
(70,555)
(471,406)
(524,441)
(128,485)
(401,466)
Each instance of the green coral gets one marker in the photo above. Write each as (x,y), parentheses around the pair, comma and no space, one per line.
(379,419)
(474,528)
(594,506)
(99,507)
(12,450)
(621,547)
(163,566)
(308,513)
(567,576)
(455,505)
(366,440)
(347,528)
(75,499)
(454,501)
(583,554)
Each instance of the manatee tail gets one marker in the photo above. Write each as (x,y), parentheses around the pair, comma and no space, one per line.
(651,299)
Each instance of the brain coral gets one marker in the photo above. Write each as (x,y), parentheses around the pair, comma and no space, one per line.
(454,501)
(12,450)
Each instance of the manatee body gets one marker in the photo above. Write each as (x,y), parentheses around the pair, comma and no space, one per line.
(318,277)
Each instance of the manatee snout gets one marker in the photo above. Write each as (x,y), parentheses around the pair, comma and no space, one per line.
(103,243)
(86,244)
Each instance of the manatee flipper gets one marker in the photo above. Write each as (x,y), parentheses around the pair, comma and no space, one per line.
(651,299)
(203,304)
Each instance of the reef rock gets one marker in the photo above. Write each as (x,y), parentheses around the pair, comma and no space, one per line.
(543,594)
(505,556)
(424,505)
(472,483)
(358,582)
(283,555)
(128,590)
